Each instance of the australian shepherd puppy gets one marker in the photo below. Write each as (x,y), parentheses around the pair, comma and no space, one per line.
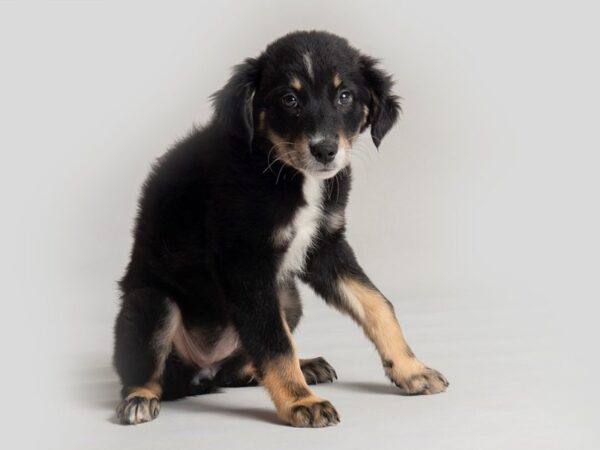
(232,216)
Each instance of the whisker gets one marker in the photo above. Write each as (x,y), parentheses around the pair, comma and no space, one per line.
(278,175)
(278,158)
(269,157)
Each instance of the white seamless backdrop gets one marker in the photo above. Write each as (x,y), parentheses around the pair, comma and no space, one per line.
(478,217)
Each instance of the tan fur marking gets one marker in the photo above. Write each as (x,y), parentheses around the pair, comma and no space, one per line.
(150,390)
(275,139)
(370,309)
(365,118)
(285,381)
(283,149)
(344,141)
(248,370)
(337,80)
(295,83)
(262,121)
(280,146)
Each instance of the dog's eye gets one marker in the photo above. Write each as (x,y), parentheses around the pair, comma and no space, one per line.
(289,101)
(345,98)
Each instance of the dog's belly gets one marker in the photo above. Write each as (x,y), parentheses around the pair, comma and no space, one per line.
(205,348)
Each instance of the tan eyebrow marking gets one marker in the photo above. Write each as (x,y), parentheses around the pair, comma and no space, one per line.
(337,80)
(295,83)
(261,121)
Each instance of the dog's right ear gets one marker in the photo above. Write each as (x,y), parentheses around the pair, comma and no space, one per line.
(233,103)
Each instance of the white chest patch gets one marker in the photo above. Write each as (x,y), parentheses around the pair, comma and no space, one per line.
(303,227)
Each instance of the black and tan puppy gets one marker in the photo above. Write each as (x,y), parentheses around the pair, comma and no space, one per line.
(233,215)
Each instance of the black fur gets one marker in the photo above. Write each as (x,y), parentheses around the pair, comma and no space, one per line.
(383,106)
(203,237)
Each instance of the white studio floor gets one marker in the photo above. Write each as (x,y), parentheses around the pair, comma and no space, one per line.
(516,383)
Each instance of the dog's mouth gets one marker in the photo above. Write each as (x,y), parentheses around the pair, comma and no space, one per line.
(310,166)
(327,171)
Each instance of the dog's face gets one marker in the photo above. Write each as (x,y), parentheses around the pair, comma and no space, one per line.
(310,94)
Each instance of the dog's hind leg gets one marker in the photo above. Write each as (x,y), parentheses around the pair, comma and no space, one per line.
(237,371)
(240,372)
(143,339)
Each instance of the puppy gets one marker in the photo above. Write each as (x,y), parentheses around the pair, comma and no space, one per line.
(230,219)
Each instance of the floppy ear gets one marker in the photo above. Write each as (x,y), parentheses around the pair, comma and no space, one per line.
(233,103)
(384,106)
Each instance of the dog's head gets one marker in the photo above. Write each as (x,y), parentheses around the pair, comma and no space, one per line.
(310,94)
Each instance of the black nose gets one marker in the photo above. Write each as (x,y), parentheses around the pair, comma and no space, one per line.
(324,152)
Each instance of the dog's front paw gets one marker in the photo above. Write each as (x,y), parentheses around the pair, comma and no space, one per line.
(317,370)
(421,380)
(137,409)
(312,412)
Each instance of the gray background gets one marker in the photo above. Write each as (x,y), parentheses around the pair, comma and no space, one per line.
(478,217)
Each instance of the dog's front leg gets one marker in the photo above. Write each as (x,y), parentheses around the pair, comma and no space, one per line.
(266,337)
(332,270)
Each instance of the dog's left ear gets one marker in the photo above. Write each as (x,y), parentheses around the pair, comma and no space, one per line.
(384,106)
(233,103)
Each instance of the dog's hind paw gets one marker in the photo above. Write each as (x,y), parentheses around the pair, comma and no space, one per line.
(317,370)
(137,409)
